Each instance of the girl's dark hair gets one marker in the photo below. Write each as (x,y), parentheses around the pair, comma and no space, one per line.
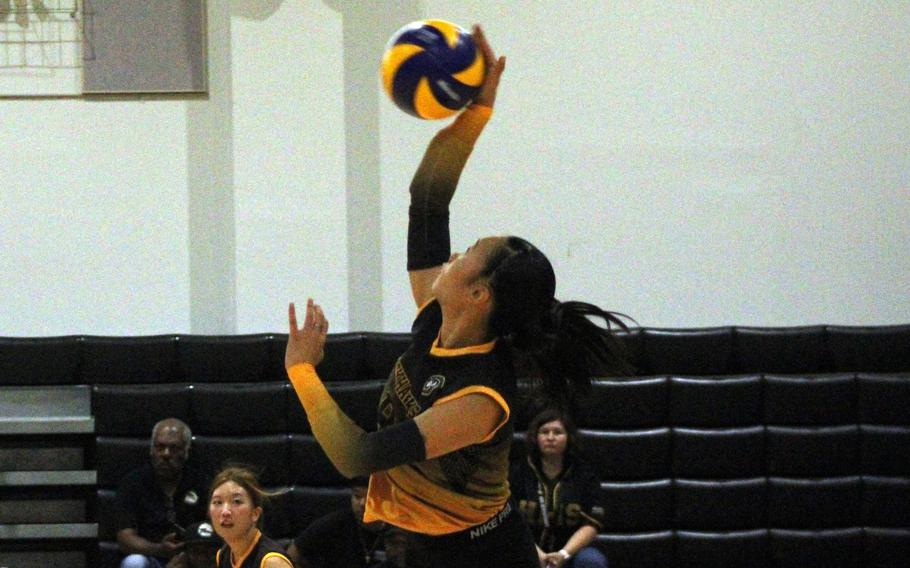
(550,414)
(567,348)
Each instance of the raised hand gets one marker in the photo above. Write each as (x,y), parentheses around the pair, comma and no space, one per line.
(495,68)
(306,344)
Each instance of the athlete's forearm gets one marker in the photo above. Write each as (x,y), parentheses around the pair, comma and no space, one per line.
(352,450)
(434,185)
(446,155)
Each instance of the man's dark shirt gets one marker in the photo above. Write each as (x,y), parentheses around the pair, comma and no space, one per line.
(335,540)
(142,505)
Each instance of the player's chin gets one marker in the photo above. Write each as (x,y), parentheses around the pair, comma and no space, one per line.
(225,529)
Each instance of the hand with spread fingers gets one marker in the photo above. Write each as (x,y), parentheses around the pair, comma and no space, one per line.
(306,344)
(495,67)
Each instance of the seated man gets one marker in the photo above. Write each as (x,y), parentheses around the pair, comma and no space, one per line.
(200,544)
(341,539)
(155,501)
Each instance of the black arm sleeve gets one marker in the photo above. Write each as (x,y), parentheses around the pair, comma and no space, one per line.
(434,185)
(428,239)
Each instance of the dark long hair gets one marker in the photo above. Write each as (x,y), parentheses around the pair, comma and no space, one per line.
(565,345)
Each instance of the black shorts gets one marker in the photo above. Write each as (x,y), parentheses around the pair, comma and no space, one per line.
(504,541)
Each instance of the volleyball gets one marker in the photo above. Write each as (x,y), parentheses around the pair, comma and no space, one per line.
(432,68)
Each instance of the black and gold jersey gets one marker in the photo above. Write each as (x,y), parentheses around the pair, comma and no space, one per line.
(465,487)
(263,548)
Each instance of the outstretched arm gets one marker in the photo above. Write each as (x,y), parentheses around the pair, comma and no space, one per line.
(353,451)
(437,177)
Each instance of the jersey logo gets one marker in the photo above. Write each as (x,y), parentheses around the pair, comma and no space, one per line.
(402,388)
(433,383)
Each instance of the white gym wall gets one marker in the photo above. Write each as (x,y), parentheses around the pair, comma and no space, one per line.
(690,164)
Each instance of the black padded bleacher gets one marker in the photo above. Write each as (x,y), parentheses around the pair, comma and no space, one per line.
(234,394)
(29,361)
(733,446)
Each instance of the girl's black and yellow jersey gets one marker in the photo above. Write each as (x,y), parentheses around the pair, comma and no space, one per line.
(263,548)
(556,508)
(466,487)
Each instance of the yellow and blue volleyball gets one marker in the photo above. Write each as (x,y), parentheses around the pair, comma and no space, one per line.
(432,68)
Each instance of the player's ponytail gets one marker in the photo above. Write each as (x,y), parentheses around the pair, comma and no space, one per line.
(563,340)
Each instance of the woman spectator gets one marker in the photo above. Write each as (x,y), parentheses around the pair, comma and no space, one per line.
(557,493)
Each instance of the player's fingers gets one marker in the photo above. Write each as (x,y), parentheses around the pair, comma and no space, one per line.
(322,324)
(484,46)
(495,72)
(292,319)
(309,321)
